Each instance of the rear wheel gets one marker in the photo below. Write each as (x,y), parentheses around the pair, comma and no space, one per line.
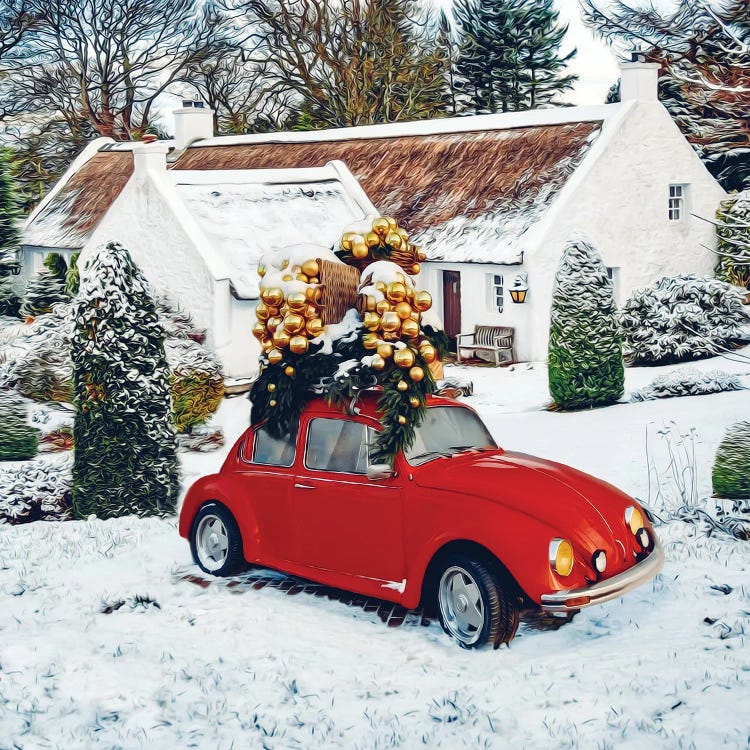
(476,603)
(216,542)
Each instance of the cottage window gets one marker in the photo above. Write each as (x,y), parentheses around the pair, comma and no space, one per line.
(677,202)
(496,292)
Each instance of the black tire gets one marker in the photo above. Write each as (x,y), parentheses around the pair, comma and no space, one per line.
(234,560)
(499,615)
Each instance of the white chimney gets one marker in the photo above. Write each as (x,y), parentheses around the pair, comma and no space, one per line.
(150,156)
(639,80)
(192,122)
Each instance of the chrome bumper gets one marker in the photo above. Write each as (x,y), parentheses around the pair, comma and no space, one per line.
(571,600)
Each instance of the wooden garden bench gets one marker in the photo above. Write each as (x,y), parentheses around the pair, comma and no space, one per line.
(493,339)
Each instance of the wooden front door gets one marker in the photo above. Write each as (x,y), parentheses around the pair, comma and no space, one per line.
(452,302)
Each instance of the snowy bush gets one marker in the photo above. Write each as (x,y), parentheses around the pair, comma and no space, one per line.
(682,318)
(178,323)
(18,441)
(585,350)
(43,292)
(733,235)
(688,382)
(731,472)
(196,382)
(125,455)
(34,491)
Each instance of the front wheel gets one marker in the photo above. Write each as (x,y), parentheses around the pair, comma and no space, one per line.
(476,604)
(216,542)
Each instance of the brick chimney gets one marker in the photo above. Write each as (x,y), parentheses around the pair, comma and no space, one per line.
(639,80)
(192,122)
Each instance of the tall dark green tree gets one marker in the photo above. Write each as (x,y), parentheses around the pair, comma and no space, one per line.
(125,458)
(10,237)
(18,441)
(585,346)
(509,54)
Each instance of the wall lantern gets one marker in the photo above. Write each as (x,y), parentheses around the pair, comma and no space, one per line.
(15,269)
(519,288)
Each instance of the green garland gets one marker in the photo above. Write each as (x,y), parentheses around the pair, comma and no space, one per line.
(313,373)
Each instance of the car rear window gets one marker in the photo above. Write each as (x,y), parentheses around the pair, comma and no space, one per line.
(272,451)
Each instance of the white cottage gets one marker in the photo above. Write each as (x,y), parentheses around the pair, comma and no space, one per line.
(492,199)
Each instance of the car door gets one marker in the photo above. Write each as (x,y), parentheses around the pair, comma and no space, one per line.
(265,467)
(344,521)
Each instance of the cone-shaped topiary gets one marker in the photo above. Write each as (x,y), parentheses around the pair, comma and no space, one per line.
(731,473)
(47,288)
(10,237)
(585,348)
(125,458)
(18,441)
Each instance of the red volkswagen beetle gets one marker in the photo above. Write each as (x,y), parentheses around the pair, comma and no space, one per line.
(457,523)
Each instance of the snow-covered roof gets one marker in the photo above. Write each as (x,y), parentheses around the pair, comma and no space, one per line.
(247,214)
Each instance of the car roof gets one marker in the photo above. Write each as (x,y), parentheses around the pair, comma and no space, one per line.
(367,404)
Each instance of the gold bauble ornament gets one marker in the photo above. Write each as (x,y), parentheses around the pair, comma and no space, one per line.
(392,223)
(296,301)
(404,357)
(272,403)
(403,234)
(410,328)
(266,344)
(372,239)
(385,351)
(402,420)
(284,264)
(289,371)
(311,267)
(261,311)
(271,387)
(377,362)
(383,306)
(313,294)
(360,250)
(259,330)
(281,338)
(310,312)
(301,277)
(272,296)
(298,344)
(371,304)
(403,310)
(314,280)
(293,322)
(381,226)
(422,301)
(394,240)
(414,315)
(287,277)
(414,401)
(428,352)
(347,240)
(416,374)
(273,323)
(261,271)
(402,386)
(274,356)
(390,321)
(315,327)
(415,269)
(381,286)
(421,255)
(371,321)
(396,292)
(370,341)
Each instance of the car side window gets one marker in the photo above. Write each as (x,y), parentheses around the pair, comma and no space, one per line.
(337,445)
(272,451)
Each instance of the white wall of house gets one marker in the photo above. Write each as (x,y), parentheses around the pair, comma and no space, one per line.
(242,358)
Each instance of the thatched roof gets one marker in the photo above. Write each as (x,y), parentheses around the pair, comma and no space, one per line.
(81,203)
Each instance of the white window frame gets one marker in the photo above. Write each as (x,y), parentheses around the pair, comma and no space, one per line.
(677,202)
(495,292)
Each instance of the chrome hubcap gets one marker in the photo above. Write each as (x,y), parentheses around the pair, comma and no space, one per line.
(461,605)
(212,542)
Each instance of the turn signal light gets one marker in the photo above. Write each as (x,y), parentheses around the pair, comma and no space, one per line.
(634,519)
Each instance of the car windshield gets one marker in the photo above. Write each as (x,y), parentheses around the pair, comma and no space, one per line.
(448,430)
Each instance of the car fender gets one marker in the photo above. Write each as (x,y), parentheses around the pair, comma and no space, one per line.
(230,492)
(520,543)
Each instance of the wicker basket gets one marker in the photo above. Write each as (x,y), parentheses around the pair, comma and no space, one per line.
(339,283)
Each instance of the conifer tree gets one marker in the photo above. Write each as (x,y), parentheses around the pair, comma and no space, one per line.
(733,234)
(125,458)
(731,472)
(47,288)
(10,237)
(18,441)
(585,347)
(509,56)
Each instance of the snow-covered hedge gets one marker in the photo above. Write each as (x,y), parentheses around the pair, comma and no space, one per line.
(682,318)
(34,491)
(731,472)
(688,382)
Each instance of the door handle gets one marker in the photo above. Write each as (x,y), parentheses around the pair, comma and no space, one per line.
(304,486)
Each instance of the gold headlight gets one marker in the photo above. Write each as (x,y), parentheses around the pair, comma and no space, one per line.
(561,556)
(634,519)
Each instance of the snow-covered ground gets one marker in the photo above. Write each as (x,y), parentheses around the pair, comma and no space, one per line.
(665,667)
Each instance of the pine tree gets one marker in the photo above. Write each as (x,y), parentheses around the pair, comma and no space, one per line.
(45,289)
(733,235)
(10,237)
(125,458)
(509,56)
(585,348)
(18,441)
(731,472)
